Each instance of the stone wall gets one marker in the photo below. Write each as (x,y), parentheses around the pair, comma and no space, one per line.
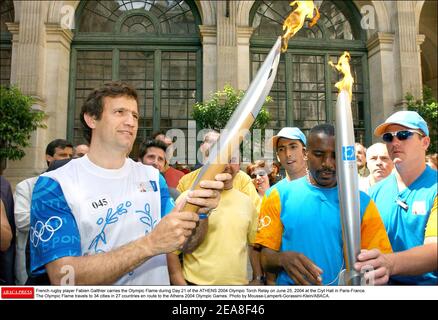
(41,57)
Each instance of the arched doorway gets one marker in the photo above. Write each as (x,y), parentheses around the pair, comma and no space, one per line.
(304,92)
(154,46)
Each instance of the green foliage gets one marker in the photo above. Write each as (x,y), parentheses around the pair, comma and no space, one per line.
(427,108)
(17,122)
(215,113)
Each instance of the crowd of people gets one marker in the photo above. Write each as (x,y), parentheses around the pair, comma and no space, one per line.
(95,216)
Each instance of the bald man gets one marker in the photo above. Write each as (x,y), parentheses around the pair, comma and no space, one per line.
(379,164)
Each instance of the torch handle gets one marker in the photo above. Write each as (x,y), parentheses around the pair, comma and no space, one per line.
(209,174)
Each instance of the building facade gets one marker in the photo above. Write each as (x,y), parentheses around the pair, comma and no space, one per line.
(176,53)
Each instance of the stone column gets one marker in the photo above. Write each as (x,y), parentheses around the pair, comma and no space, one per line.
(382,79)
(420,40)
(226,44)
(29,58)
(40,68)
(407,52)
(28,73)
(57,79)
(243,57)
(209,57)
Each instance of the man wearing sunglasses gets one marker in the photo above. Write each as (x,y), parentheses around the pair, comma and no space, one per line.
(407,201)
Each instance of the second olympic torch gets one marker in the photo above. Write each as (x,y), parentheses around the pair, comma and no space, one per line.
(347,174)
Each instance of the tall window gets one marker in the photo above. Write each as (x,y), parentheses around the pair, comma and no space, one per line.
(6,15)
(152,45)
(304,92)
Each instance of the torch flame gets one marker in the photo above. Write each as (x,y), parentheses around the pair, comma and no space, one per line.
(343,66)
(295,21)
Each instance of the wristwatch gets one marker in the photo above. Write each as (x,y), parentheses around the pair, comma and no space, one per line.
(260,278)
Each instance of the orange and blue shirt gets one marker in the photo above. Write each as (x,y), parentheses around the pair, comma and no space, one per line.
(300,217)
(409,216)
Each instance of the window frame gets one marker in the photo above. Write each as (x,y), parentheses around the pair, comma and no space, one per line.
(325,48)
(6,38)
(116,42)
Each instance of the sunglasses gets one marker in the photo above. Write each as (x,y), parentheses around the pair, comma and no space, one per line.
(258,174)
(401,135)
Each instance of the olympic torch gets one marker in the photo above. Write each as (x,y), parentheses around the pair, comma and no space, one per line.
(252,102)
(347,175)
(241,120)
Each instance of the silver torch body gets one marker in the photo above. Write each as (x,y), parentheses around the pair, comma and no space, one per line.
(242,119)
(348,188)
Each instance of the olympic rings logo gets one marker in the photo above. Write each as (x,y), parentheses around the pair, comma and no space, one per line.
(44,231)
(264,222)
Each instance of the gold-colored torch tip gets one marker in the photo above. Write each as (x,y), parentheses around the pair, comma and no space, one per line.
(343,66)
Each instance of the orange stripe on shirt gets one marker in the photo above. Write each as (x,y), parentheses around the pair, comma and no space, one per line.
(270,227)
(373,232)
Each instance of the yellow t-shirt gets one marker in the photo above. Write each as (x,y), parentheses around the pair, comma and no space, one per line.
(222,257)
(241,182)
(431,228)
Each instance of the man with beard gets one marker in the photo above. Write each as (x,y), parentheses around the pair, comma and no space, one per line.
(361,160)
(301,232)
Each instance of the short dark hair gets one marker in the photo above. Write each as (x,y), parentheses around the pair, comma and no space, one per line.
(57,143)
(325,128)
(93,106)
(145,145)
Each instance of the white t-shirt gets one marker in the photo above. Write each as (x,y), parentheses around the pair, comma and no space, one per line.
(22,200)
(364,184)
(83,209)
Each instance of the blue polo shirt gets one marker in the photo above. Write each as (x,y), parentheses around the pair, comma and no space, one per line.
(406,214)
(297,216)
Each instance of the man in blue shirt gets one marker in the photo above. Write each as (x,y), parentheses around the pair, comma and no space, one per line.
(301,232)
(407,200)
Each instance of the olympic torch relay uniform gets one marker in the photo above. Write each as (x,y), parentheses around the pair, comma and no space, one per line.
(82,209)
(300,217)
(409,216)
